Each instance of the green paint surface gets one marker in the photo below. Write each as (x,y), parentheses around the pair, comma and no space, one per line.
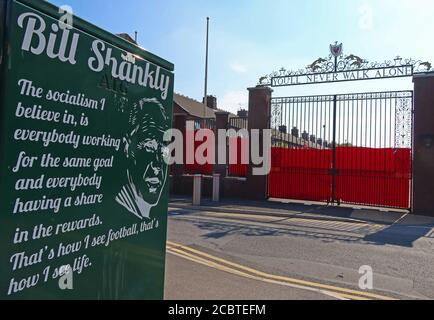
(83,181)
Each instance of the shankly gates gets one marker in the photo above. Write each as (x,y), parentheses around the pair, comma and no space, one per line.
(350,148)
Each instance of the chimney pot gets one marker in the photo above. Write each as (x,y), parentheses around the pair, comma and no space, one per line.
(243,113)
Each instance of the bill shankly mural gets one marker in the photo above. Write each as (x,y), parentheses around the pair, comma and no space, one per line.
(83,176)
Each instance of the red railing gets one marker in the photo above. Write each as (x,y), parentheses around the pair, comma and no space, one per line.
(376,177)
(239,169)
(196,168)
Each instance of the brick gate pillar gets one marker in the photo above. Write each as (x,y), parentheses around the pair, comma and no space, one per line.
(423,164)
(259,118)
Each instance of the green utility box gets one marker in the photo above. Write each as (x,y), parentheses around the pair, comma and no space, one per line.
(83,176)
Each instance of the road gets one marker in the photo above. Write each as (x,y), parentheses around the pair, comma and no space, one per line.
(226,255)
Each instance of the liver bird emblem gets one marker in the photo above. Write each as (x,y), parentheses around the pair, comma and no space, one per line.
(355,60)
(427,65)
(262,80)
(316,65)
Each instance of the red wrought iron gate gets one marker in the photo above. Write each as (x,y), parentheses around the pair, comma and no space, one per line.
(348,148)
(352,148)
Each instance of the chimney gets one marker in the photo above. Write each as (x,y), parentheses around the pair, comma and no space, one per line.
(283,129)
(211,102)
(243,113)
(295,132)
(312,138)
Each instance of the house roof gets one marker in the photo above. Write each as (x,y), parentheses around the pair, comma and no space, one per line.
(194,107)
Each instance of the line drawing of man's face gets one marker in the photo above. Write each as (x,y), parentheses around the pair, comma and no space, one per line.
(146,154)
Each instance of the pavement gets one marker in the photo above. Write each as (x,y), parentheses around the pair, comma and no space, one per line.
(269,250)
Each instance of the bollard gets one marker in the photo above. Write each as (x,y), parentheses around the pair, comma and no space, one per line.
(216,188)
(197,190)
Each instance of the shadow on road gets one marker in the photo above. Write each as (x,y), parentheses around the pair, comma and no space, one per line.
(399,235)
(395,231)
(403,236)
(219,230)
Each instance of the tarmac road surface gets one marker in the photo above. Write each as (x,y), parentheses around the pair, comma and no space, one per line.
(213,254)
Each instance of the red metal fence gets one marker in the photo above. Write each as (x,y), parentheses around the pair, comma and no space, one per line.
(300,174)
(236,170)
(239,169)
(195,167)
(350,148)
(376,177)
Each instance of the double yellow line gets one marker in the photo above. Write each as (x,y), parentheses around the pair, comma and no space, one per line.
(246,272)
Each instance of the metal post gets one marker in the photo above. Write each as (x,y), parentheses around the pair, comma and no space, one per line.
(206,64)
(197,190)
(216,188)
(334,140)
(333,171)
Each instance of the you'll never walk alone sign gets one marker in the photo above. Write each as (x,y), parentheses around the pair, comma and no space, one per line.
(338,67)
(83,181)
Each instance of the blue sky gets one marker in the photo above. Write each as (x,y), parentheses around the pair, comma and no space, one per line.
(249,38)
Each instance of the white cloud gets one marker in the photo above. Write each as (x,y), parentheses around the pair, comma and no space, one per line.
(233,101)
(238,68)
